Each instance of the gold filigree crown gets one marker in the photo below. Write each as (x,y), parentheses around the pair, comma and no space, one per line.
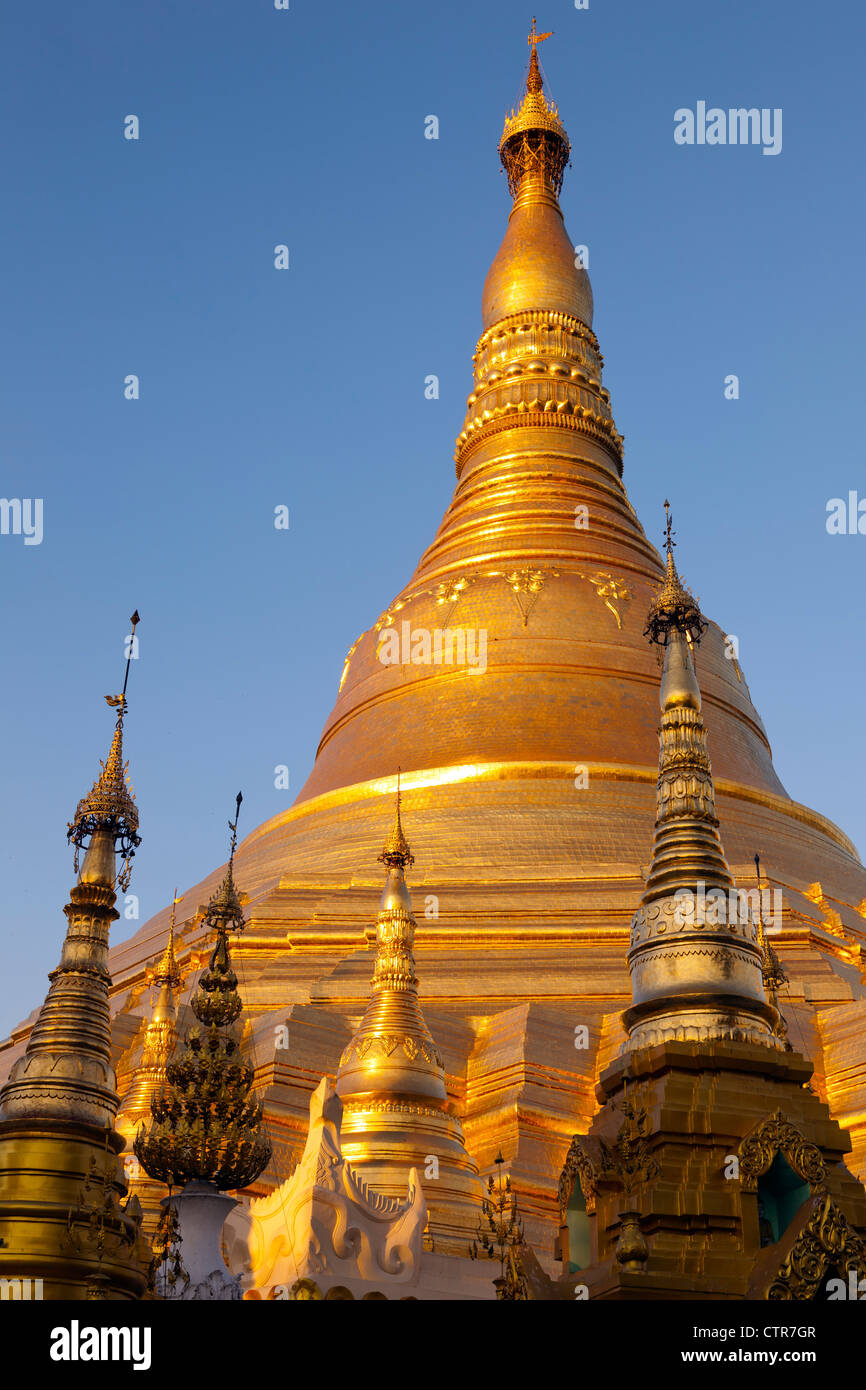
(109,805)
(109,802)
(534,140)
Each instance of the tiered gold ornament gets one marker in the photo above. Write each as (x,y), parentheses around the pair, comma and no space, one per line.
(61,1218)
(392,1082)
(207,1123)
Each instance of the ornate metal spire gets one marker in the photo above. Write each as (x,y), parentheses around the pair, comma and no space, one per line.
(207,1123)
(534,141)
(695,958)
(396,852)
(58,1106)
(533,77)
(216,1001)
(224,911)
(673,606)
(109,804)
(166,971)
(66,1069)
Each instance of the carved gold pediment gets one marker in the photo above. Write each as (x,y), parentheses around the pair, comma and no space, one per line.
(579,1167)
(824,1244)
(777,1135)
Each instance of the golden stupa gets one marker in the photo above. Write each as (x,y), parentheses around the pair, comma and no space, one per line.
(391,1078)
(528,777)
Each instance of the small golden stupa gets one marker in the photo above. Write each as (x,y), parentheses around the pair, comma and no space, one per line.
(392,1082)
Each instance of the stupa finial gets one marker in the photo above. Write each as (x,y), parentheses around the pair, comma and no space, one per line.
(534,140)
(166,971)
(673,607)
(396,852)
(224,911)
(534,82)
(109,805)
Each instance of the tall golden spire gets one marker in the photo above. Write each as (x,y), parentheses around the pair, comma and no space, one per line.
(57,1109)
(695,957)
(207,1123)
(66,1070)
(391,1079)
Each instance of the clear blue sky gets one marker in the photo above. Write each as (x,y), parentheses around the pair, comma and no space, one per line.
(306,387)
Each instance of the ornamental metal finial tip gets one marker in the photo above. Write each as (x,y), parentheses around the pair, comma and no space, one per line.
(224,911)
(167,972)
(669,532)
(109,805)
(673,607)
(233,826)
(762,940)
(534,81)
(396,852)
(534,141)
(130,650)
